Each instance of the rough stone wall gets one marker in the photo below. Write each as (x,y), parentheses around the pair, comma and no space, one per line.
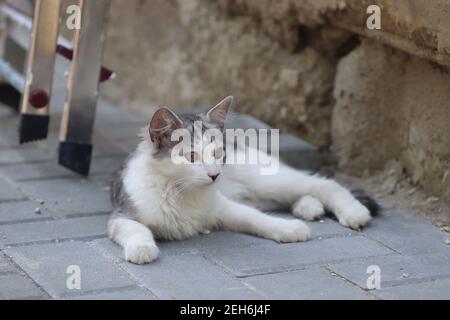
(391,106)
(420,27)
(309,67)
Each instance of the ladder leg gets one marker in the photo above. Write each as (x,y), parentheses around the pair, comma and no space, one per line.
(34,120)
(75,148)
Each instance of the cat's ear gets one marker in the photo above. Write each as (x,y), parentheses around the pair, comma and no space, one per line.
(163,123)
(218,113)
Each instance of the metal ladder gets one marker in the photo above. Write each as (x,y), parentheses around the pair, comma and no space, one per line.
(30,42)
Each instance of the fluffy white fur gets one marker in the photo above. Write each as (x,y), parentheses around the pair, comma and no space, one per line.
(180,201)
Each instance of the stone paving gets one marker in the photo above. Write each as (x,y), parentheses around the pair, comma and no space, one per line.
(51,219)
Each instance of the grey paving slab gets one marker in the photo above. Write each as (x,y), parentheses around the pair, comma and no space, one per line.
(244,121)
(58,229)
(104,146)
(214,241)
(8,192)
(298,153)
(282,257)
(328,228)
(8,124)
(68,196)
(397,269)
(420,244)
(102,180)
(180,274)
(6,111)
(41,170)
(17,286)
(22,154)
(393,220)
(127,145)
(432,290)
(106,164)
(115,116)
(48,265)
(189,276)
(194,110)
(6,266)
(8,139)
(122,130)
(308,284)
(129,293)
(405,233)
(108,249)
(111,114)
(19,211)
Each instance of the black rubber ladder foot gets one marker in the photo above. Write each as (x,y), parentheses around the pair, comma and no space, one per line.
(75,156)
(33,127)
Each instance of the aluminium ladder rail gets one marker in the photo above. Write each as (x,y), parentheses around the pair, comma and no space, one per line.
(36,34)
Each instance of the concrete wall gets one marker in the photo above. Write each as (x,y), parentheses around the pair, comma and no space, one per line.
(391,106)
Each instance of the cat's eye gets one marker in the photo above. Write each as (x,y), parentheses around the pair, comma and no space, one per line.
(191,156)
(218,153)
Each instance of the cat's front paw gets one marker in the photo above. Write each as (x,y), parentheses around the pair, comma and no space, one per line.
(291,231)
(141,252)
(356,216)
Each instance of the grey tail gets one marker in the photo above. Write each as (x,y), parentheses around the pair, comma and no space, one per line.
(370,203)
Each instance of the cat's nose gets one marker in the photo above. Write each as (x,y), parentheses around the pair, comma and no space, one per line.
(213,176)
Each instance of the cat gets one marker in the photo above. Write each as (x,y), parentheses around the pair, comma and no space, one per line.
(155,198)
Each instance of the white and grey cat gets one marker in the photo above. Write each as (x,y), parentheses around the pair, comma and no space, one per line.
(156,198)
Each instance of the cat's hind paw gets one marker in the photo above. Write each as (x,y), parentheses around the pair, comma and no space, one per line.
(308,208)
(355,217)
(141,252)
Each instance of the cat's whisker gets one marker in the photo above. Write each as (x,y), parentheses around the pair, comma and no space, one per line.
(179,185)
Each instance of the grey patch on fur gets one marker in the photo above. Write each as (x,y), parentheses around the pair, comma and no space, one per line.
(119,197)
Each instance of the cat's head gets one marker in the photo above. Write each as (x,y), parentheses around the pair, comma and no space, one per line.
(190,146)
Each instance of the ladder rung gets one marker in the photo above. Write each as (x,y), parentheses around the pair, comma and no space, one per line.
(19,27)
(12,76)
(17,16)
